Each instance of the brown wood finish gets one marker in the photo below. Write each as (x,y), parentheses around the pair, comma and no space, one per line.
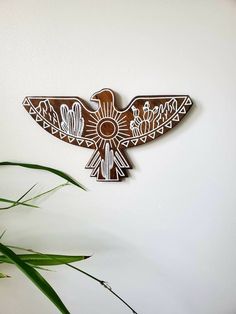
(109,131)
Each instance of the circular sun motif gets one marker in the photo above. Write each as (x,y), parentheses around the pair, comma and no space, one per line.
(107,125)
(107,128)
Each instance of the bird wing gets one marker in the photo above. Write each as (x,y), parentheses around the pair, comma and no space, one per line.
(63,117)
(149,117)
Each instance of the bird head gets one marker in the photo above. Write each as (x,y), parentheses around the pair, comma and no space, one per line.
(104,95)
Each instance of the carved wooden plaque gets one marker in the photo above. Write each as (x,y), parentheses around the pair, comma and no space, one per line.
(109,131)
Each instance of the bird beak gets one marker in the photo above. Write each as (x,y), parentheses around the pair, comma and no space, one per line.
(94,97)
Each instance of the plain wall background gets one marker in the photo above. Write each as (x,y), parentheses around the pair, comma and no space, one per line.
(165,237)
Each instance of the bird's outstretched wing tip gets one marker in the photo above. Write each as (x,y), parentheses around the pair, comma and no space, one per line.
(152,116)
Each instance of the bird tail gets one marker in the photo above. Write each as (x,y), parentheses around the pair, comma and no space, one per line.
(108,164)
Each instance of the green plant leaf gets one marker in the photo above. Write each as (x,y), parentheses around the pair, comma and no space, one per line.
(27,192)
(39,167)
(44,260)
(2,234)
(14,203)
(46,192)
(36,278)
(17,202)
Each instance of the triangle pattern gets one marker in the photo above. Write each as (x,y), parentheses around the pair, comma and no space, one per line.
(26,103)
(79,141)
(54,130)
(126,143)
(31,111)
(176,118)
(134,141)
(38,119)
(152,135)
(89,143)
(161,130)
(188,102)
(62,135)
(45,125)
(71,139)
(183,110)
(143,139)
(169,125)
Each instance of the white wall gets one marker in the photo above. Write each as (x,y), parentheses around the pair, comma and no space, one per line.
(165,237)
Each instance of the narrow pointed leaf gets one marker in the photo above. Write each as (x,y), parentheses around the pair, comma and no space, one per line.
(39,167)
(40,268)
(2,234)
(22,196)
(14,203)
(36,278)
(44,260)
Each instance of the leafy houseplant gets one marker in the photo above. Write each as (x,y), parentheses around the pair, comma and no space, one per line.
(33,261)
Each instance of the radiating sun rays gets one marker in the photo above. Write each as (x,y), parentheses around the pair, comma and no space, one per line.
(107,125)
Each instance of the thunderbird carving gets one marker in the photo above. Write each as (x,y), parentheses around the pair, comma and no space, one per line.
(109,131)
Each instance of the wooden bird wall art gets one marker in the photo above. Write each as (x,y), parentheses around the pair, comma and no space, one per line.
(109,131)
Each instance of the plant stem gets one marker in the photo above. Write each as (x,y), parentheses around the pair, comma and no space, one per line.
(24,203)
(105,285)
(19,199)
(46,192)
(14,204)
(102,282)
